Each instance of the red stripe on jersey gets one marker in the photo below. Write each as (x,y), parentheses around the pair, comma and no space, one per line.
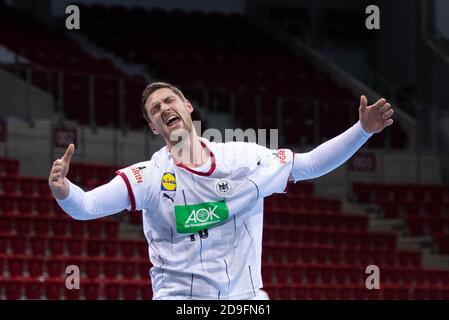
(130,190)
(212,167)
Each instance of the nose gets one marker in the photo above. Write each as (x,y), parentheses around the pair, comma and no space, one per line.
(165,107)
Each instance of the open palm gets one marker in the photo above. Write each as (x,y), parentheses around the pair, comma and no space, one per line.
(376,117)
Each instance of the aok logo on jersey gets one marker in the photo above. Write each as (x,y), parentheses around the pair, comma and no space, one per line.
(168,182)
(197,217)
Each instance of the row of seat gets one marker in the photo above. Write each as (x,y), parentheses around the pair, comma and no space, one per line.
(312,219)
(259,65)
(91,267)
(9,167)
(55,289)
(330,292)
(342,238)
(344,274)
(394,209)
(16,204)
(70,245)
(334,254)
(412,193)
(420,226)
(27,187)
(50,225)
(289,204)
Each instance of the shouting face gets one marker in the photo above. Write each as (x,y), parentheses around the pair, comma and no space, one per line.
(168,113)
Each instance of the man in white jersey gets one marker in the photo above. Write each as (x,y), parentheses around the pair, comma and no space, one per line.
(202,202)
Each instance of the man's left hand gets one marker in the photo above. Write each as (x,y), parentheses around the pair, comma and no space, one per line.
(376,117)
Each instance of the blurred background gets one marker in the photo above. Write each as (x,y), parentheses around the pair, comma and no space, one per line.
(297,66)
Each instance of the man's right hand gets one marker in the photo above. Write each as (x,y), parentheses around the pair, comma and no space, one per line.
(57,181)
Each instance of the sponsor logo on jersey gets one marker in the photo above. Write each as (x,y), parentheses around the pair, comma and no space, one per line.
(197,217)
(281,155)
(223,187)
(168,182)
(137,174)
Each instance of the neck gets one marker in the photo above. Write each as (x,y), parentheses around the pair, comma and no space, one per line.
(188,151)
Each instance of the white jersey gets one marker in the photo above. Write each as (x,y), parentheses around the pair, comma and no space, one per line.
(204,228)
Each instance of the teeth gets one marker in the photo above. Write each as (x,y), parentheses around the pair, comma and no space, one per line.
(171,118)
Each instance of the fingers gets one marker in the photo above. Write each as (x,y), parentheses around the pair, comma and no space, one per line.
(384,108)
(363,102)
(68,153)
(387,114)
(388,122)
(56,173)
(379,103)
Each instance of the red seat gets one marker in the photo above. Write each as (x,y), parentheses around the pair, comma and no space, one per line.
(93,269)
(112,291)
(94,228)
(43,189)
(298,274)
(53,290)
(111,269)
(94,247)
(76,228)
(110,248)
(8,186)
(36,267)
(112,228)
(55,268)
(75,247)
(13,289)
(33,290)
(146,292)
(18,245)
(72,294)
(128,270)
(25,206)
(59,227)
(130,291)
(27,187)
(6,224)
(41,226)
(144,269)
(16,266)
(7,204)
(91,290)
(56,246)
(143,249)
(38,246)
(43,206)
(282,275)
(127,248)
(23,225)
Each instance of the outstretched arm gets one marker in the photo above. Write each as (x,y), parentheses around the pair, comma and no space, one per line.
(333,153)
(102,201)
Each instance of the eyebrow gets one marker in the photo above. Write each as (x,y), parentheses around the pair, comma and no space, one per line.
(154,104)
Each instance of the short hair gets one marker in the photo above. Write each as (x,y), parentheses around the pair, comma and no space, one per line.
(151,88)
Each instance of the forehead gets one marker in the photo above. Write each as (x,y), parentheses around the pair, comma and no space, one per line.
(159,95)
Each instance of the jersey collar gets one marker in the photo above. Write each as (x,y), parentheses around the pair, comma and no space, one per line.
(200,173)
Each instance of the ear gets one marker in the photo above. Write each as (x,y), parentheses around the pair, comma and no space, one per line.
(153,128)
(189,106)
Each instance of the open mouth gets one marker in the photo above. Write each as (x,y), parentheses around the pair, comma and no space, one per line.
(172,120)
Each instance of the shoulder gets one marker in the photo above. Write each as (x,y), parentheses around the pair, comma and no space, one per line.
(143,172)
